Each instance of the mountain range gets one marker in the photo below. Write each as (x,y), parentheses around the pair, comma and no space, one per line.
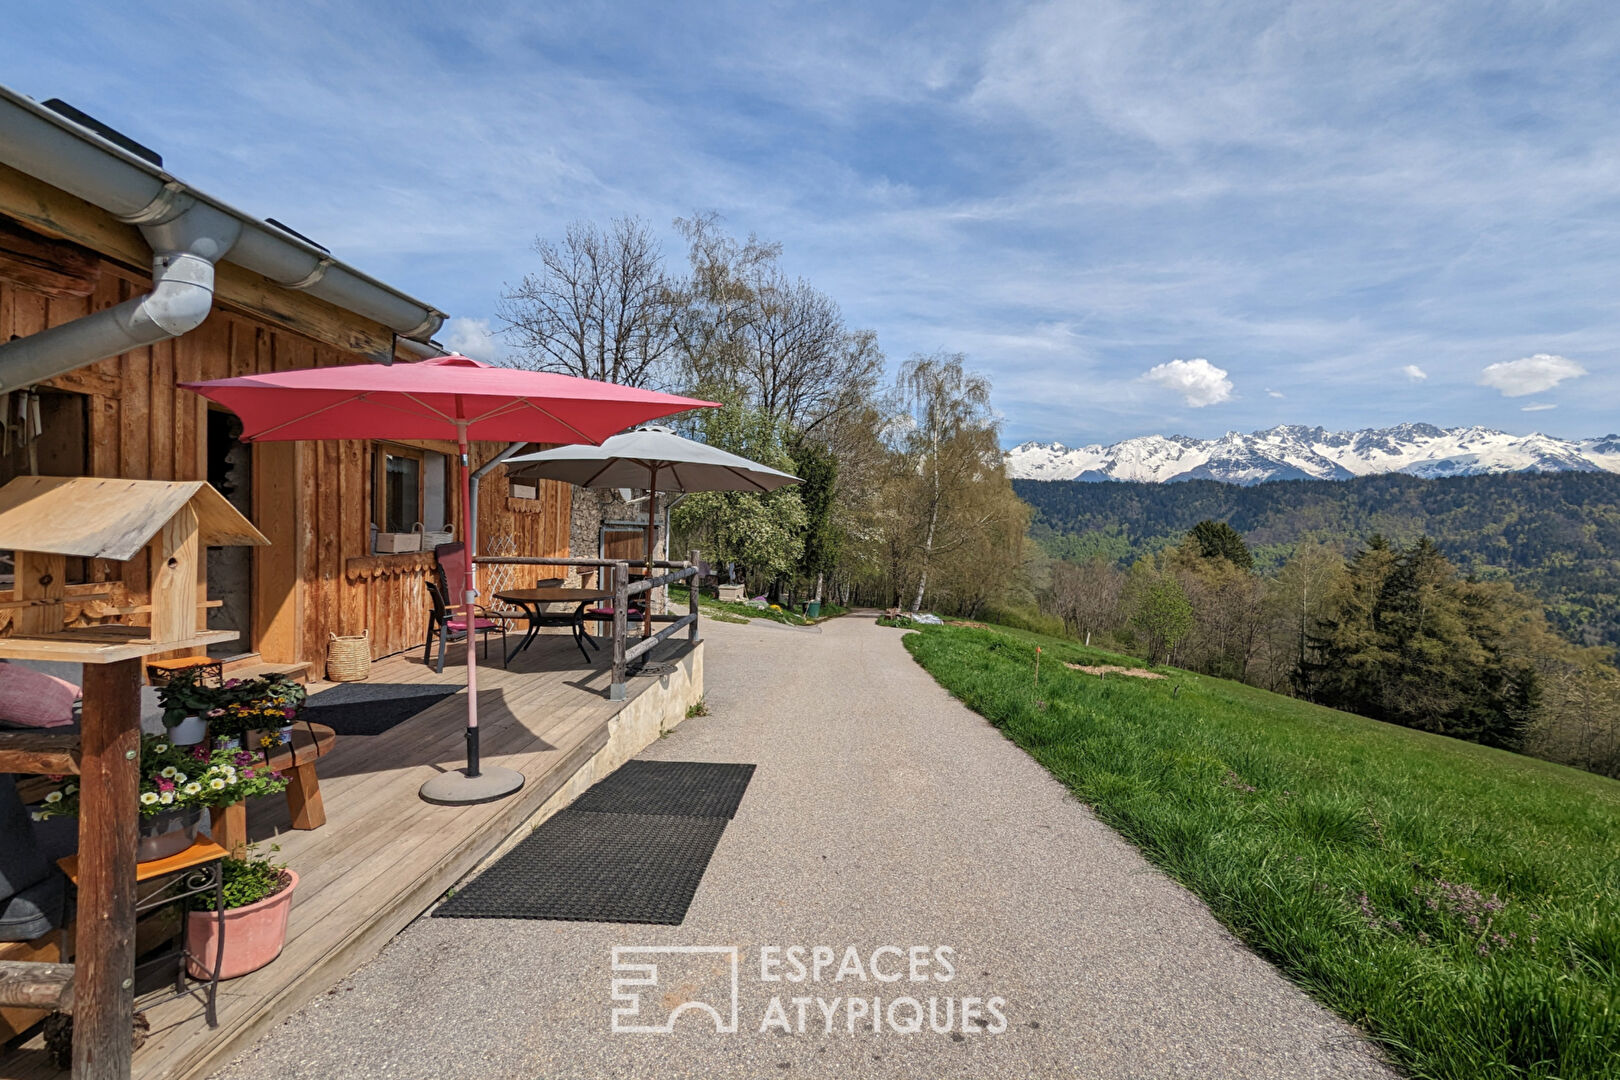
(1295,452)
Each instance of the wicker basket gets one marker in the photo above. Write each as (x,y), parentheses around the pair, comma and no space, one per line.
(348,659)
(432,538)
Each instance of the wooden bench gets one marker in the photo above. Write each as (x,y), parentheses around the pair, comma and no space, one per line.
(297,762)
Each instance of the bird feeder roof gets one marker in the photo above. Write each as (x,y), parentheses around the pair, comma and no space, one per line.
(108,518)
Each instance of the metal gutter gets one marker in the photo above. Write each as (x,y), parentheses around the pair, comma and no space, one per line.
(71,157)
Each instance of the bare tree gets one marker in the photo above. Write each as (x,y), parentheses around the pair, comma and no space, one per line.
(780,342)
(1086,596)
(601,306)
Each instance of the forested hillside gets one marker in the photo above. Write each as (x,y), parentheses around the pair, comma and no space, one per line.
(1557,534)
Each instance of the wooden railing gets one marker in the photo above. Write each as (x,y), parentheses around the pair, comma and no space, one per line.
(617,575)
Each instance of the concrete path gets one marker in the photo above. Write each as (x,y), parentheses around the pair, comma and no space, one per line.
(883,813)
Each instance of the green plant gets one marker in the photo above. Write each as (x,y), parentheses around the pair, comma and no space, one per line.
(247,881)
(268,703)
(189,692)
(181,778)
(700,707)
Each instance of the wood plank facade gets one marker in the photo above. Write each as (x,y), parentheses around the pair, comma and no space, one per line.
(313,500)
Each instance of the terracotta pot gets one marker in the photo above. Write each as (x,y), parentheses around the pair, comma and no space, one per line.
(167,834)
(254,935)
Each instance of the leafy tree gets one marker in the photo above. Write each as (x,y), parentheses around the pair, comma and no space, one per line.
(1218,540)
(815,465)
(1160,610)
(1415,644)
(763,532)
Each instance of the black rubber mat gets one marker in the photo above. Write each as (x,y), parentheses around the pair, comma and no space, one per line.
(595,867)
(685,788)
(372,708)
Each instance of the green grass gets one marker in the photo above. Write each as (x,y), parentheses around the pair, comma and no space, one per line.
(711,608)
(1361,858)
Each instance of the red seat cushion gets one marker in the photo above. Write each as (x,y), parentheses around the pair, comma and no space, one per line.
(482,624)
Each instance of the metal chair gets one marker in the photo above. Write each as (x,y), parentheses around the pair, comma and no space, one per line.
(443,622)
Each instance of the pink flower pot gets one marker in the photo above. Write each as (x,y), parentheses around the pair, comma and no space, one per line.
(254,935)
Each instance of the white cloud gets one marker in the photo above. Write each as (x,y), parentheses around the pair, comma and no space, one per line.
(1197,380)
(1539,406)
(1531,375)
(1415,373)
(471,337)
(1273,393)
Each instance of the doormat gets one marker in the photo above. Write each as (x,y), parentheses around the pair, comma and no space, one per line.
(632,849)
(589,867)
(371,708)
(682,788)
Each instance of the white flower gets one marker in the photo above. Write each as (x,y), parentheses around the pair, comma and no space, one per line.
(70,789)
(148,798)
(192,788)
(54,797)
(160,748)
(217,784)
(37,816)
(168,772)
(179,777)
(166,798)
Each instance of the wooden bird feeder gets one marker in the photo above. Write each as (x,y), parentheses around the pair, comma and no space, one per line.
(46,519)
(43,521)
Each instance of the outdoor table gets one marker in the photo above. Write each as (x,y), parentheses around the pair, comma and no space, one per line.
(529,602)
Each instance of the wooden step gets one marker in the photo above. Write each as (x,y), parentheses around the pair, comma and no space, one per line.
(27,985)
(252,666)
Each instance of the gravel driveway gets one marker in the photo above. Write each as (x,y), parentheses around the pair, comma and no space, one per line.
(882,813)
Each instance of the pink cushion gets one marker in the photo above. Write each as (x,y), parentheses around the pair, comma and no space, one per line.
(483,624)
(31,699)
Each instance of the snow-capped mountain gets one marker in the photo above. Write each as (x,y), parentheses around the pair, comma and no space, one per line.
(1293,452)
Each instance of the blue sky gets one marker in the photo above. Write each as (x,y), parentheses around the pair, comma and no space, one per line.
(1135,217)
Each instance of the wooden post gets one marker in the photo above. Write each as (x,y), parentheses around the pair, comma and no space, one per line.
(227,826)
(104,963)
(621,628)
(694,557)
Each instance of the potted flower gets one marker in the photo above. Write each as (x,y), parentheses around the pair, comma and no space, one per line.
(258,895)
(256,714)
(178,783)
(187,699)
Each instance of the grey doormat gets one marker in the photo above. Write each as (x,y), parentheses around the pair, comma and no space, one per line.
(595,867)
(685,788)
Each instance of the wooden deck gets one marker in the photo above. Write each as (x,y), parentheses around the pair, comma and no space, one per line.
(384,855)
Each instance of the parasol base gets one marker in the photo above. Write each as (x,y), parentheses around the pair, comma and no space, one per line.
(458,789)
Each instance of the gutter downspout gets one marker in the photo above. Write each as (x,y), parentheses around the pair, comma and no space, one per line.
(472,500)
(187,238)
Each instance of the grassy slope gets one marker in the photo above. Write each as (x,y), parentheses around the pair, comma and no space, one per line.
(1322,839)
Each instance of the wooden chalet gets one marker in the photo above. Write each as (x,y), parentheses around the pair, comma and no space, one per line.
(117,283)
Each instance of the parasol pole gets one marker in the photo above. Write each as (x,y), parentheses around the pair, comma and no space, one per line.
(652,551)
(474,784)
(469,600)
